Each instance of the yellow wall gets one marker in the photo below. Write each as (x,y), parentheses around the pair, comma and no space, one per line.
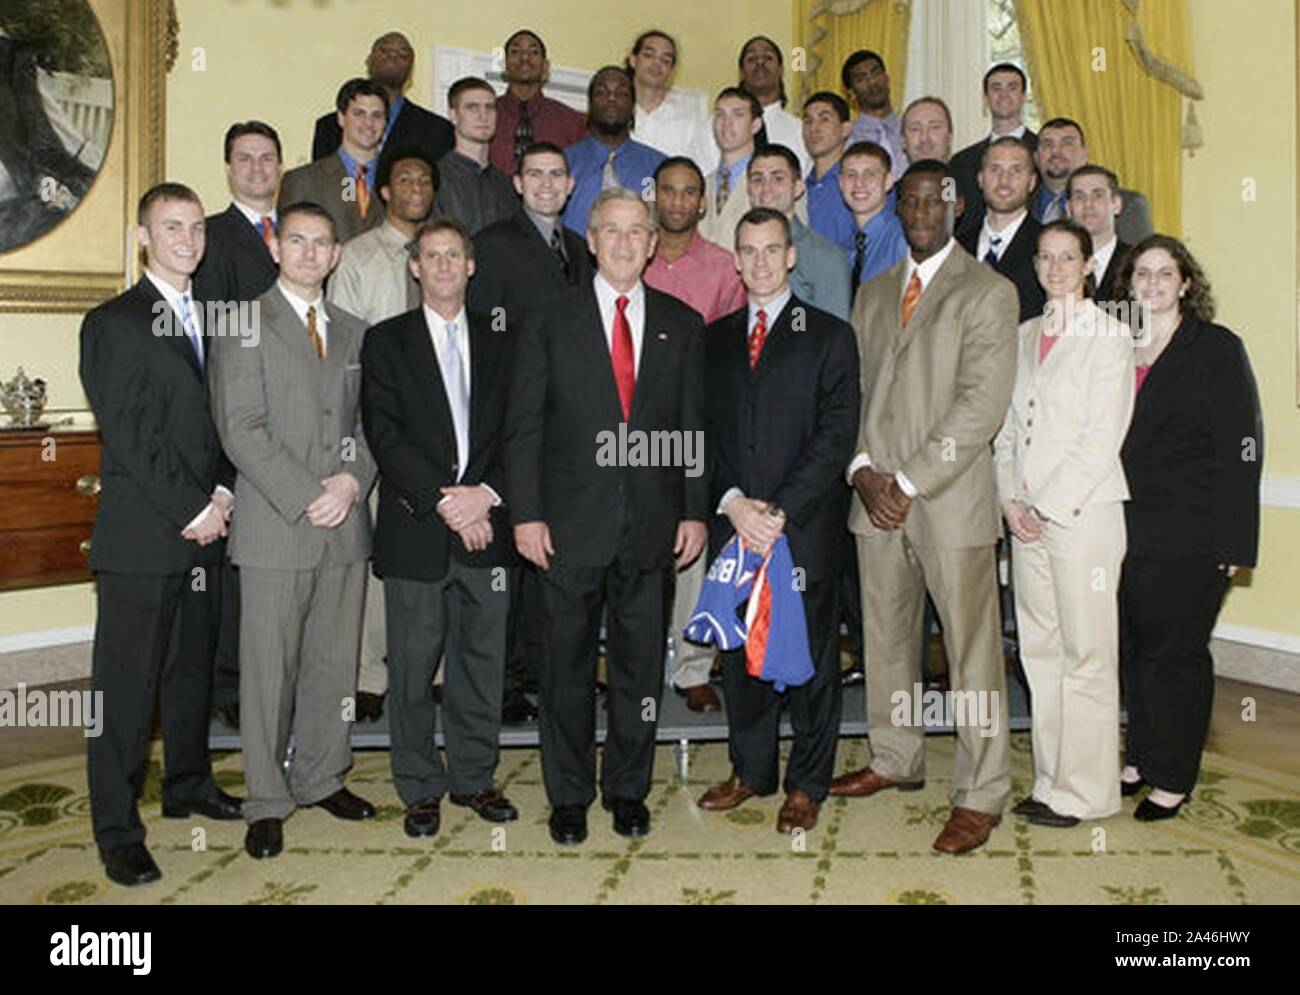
(282,61)
(301,49)
(1247,68)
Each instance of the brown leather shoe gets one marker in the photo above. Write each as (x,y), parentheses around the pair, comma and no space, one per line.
(866,781)
(490,805)
(797,812)
(726,795)
(702,698)
(965,830)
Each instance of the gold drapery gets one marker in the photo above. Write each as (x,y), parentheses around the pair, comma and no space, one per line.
(831,30)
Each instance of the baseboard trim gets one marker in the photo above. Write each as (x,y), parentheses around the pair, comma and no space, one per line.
(46,637)
(1283,642)
(1280,492)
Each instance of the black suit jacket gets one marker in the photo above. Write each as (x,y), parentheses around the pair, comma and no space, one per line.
(965,166)
(564,419)
(784,431)
(1193,489)
(407,423)
(514,268)
(161,457)
(1016,263)
(1105,293)
(414,126)
(236,265)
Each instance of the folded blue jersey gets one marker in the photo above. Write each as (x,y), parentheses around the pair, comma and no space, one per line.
(772,629)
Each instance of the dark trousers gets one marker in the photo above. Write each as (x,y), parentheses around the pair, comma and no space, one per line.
(1167,611)
(754,709)
(421,618)
(154,641)
(525,636)
(633,601)
(225,673)
(850,597)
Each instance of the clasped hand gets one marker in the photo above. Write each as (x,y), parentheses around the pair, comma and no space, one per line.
(887,506)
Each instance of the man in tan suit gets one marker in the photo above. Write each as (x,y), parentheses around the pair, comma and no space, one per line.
(287,406)
(345,182)
(937,337)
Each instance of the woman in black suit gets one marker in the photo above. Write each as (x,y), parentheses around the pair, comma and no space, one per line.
(1192,458)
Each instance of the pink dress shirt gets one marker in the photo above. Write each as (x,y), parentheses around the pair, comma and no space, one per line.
(704,277)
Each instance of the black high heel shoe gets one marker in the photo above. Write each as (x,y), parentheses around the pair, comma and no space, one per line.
(1130,788)
(1149,811)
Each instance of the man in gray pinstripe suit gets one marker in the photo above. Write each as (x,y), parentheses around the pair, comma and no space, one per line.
(286,404)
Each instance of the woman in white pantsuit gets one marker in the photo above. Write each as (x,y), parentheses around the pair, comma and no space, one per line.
(1062,490)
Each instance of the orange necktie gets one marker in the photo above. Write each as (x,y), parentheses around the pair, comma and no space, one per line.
(268,231)
(911,296)
(363,192)
(314,334)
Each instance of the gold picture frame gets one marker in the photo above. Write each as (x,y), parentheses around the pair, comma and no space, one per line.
(90,256)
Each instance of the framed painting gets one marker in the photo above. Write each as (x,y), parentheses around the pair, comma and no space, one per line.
(82,111)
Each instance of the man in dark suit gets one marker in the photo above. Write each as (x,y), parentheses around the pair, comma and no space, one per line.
(1004,96)
(157,549)
(1095,203)
(389,64)
(237,266)
(1008,237)
(1061,150)
(781,419)
(434,387)
(346,183)
(518,263)
(599,370)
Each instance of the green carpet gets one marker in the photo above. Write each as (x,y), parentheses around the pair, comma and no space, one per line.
(1238,841)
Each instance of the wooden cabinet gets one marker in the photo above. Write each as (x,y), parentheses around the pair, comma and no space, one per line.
(49,482)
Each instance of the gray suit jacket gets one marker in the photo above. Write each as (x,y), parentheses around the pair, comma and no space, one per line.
(287,421)
(821,273)
(1134,221)
(322,182)
(935,393)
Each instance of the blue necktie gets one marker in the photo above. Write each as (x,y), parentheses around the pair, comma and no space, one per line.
(453,379)
(991,257)
(191,330)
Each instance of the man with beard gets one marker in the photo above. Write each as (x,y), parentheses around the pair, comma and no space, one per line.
(524,115)
(1004,96)
(927,132)
(702,274)
(389,64)
(473,191)
(608,157)
(1061,150)
(1008,238)
(864,75)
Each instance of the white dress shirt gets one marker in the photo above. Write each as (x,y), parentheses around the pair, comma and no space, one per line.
(300,307)
(1102,254)
(255,216)
(677,126)
(925,272)
(1004,236)
(606,299)
(783,128)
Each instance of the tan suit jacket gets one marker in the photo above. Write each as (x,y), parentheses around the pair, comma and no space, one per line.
(322,182)
(935,393)
(1058,450)
(721,228)
(287,421)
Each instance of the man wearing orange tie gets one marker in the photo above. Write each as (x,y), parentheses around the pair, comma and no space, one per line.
(344,183)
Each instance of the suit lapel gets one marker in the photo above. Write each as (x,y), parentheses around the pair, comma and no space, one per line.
(654,346)
(424,361)
(248,232)
(480,347)
(596,346)
(179,342)
(777,335)
(937,289)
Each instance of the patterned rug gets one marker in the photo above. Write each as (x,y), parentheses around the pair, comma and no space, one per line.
(1238,841)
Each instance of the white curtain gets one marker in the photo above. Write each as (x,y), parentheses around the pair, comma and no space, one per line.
(947,55)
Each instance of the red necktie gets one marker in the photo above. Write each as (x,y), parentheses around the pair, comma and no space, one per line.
(621,357)
(757,336)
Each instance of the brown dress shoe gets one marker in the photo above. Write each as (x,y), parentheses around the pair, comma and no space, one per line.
(726,795)
(866,781)
(702,698)
(965,830)
(797,812)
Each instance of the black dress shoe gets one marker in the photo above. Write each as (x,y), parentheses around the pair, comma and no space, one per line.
(369,706)
(1049,817)
(422,819)
(568,824)
(516,709)
(343,804)
(491,805)
(853,676)
(130,865)
(1149,811)
(1029,805)
(265,838)
(220,806)
(631,818)
(1130,788)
